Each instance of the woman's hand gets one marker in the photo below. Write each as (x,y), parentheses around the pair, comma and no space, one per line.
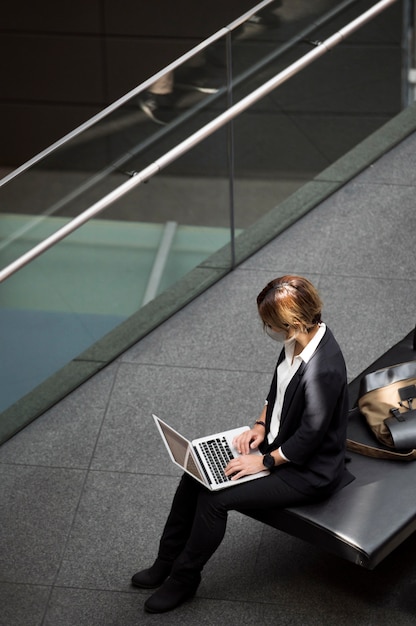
(249,440)
(244,466)
(247,463)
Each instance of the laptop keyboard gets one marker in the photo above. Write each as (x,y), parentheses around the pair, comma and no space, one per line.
(217,453)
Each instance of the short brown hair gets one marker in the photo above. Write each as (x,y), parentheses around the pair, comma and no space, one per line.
(289,301)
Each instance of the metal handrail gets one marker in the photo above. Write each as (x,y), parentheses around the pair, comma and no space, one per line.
(196,137)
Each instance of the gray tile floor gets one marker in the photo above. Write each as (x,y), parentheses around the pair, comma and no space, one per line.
(86,488)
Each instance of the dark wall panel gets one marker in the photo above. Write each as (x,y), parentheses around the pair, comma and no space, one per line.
(30,128)
(171,18)
(52,68)
(64,16)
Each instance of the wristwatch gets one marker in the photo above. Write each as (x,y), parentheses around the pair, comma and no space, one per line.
(268,461)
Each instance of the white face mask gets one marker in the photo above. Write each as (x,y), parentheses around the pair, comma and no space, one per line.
(276,335)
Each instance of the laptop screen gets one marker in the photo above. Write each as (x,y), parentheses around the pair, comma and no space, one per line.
(180,450)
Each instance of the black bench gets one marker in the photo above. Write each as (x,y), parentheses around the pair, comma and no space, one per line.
(375,513)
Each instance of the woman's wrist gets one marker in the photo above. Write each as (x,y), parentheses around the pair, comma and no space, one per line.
(260,423)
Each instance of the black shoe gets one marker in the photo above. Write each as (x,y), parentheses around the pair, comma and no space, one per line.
(264,18)
(170,595)
(153,576)
(202,80)
(205,85)
(158,107)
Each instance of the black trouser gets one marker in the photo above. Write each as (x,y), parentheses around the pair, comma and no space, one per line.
(197,521)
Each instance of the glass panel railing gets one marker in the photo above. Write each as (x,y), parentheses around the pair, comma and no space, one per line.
(140,245)
(323,111)
(79,290)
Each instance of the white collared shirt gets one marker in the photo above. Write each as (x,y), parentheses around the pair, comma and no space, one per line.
(285,372)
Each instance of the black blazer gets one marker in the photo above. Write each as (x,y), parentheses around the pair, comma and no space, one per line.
(313,426)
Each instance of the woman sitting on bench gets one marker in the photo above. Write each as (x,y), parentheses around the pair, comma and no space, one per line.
(301,434)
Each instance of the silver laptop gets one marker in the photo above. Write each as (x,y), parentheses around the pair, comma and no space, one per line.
(205,458)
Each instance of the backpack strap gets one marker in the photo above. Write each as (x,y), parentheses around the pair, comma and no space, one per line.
(379,453)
